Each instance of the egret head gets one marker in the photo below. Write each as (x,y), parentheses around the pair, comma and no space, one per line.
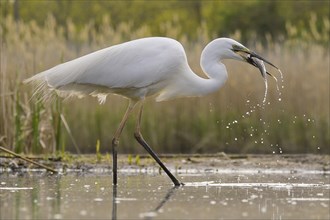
(226,48)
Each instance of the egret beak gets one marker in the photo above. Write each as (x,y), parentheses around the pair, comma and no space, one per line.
(253,54)
(255,60)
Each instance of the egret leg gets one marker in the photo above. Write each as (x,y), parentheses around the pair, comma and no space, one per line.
(114,202)
(144,144)
(115,140)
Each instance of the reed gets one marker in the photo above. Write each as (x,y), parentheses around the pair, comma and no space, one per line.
(98,154)
(18,125)
(218,122)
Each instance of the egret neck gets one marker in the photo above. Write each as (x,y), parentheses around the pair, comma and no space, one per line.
(213,68)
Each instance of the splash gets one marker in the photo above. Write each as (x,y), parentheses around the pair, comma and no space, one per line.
(264,71)
(282,87)
(266,91)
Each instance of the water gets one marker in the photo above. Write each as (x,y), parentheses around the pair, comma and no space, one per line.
(266,91)
(279,92)
(229,195)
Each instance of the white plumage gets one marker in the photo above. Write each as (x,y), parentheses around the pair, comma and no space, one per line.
(136,69)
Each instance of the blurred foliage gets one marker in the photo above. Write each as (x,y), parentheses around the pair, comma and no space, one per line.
(221,18)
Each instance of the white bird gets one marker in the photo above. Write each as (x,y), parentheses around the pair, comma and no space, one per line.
(148,67)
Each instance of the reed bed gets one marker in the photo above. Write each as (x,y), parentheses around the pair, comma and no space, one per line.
(222,121)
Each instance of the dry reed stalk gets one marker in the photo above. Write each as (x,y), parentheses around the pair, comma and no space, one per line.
(28,160)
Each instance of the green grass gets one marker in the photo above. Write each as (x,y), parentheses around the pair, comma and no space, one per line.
(35,128)
(297,124)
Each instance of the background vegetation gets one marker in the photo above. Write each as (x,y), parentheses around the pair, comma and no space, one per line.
(36,35)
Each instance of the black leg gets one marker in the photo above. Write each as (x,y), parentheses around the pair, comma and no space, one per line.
(115,140)
(114,202)
(114,161)
(144,144)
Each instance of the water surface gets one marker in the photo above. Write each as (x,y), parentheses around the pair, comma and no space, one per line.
(151,196)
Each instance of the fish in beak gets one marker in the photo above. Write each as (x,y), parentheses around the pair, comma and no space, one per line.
(255,60)
(259,63)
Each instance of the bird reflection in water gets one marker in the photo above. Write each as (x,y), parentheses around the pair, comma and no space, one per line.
(146,215)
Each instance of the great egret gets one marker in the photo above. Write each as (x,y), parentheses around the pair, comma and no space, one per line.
(155,66)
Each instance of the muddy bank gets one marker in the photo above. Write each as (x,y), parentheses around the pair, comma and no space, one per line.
(216,163)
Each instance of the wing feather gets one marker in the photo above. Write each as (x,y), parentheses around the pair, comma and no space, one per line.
(132,65)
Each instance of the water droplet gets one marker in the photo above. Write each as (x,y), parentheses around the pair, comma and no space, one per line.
(273,152)
(58,216)
(83,212)
(235,139)
(148,215)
